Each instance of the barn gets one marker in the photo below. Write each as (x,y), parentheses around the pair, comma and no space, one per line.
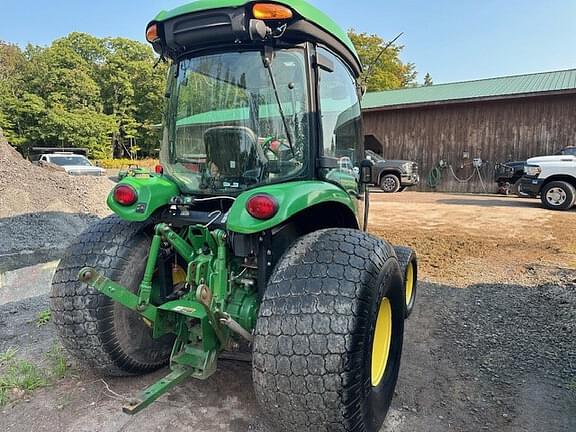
(464,129)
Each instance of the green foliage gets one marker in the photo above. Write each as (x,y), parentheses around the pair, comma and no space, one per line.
(428,80)
(43,318)
(58,362)
(383,70)
(19,376)
(124,163)
(8,355)
(82,91)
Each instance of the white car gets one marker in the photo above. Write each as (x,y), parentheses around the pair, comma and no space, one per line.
(553,178)
(73,164)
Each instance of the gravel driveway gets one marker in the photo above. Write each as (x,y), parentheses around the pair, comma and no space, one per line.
(484,358)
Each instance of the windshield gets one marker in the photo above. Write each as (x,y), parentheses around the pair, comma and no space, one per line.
(70,160)
(234,122)
(567,151)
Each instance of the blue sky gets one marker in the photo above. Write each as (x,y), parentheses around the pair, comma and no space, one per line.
(454,40)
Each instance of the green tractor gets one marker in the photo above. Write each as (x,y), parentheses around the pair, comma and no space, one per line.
(250,236)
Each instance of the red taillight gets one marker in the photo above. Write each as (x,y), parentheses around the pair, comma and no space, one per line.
(159,169)
(125,195)
(262,207)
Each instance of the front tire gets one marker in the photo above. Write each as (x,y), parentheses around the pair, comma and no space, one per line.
(329,335)
(558,195)
(390,183)
(100,333)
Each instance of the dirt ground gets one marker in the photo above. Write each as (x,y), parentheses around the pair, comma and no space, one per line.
(466,239)
(490,345)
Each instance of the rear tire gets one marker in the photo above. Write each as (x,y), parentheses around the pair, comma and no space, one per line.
(558,195)
(409,269)
(316,366)
(390,183)
(100,333)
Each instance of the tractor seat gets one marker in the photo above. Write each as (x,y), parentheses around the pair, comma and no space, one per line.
(234,150)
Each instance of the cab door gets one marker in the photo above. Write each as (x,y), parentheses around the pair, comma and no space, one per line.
(341,122)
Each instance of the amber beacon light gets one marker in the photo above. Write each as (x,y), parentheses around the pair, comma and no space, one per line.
(152,33)
(269,11)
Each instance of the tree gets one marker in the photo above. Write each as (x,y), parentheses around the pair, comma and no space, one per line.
(80,128)
(428,80)
(81,91)
(11,62)
(23,115)
(63,103)
(133,92)
(383,70)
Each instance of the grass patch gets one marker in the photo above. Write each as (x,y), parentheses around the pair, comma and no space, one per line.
(3,396)
(43,318)
(19,377)
(23,375)
(58,363)
(7,355)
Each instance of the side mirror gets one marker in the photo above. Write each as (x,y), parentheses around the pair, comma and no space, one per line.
(366,171)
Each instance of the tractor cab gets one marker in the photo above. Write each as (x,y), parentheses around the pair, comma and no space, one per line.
(258,93)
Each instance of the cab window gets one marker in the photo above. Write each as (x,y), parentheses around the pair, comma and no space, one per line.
(341,120)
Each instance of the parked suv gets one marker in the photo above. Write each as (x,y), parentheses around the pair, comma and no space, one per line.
(553,178)
(393,175)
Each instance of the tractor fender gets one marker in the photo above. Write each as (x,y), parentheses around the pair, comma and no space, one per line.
(293,198)
(154,192)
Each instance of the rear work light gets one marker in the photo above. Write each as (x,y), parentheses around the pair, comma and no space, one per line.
(262,206)
(152,33)
(125,195)
(269,11)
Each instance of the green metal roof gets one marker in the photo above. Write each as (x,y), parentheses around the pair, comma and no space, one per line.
(493,88)
(303,8)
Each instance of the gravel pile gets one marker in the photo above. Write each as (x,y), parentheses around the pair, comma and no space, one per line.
(27,188)
(42,210)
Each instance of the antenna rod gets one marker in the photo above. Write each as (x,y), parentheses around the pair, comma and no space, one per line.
(388,45)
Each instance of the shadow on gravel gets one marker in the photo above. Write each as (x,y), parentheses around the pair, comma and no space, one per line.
(496,202)
(35,238)
(488,357)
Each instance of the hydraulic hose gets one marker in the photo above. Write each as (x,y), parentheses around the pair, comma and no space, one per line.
(435,176)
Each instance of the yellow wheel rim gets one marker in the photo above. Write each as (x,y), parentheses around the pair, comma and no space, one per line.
(381,343)
(409,283)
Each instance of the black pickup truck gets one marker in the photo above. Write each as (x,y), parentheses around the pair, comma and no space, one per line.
(393,175)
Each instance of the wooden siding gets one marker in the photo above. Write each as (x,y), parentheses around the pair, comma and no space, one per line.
(494,131)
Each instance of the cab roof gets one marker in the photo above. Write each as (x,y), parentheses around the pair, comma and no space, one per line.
(301,7)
